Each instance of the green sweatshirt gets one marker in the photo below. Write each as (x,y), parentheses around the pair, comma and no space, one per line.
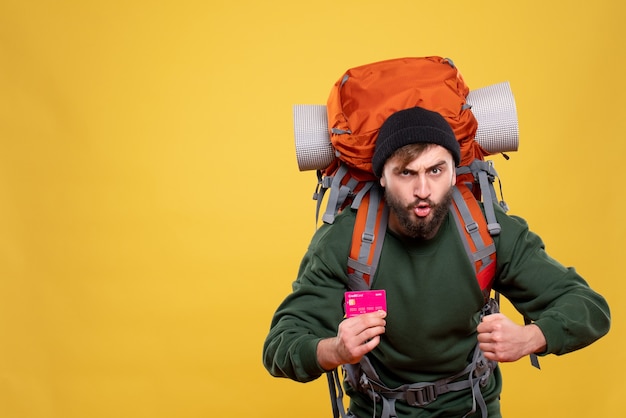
(433,308)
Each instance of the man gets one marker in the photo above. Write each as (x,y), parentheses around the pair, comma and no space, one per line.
(435,329)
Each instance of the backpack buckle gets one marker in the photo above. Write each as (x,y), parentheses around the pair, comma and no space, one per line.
(367,237)
(421,396)
(471,228)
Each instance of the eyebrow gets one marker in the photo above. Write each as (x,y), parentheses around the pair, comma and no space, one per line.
(441,163)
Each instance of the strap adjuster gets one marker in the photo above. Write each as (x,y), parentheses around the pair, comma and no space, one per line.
(471,228)
(367,237)
(421,396)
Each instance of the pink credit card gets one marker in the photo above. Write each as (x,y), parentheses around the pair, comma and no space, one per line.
(365,301)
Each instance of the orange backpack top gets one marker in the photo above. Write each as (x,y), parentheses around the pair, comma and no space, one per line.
(366,96)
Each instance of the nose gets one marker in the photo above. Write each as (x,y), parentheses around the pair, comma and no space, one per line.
(421,188)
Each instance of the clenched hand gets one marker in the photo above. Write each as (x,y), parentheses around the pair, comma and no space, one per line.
(503,340)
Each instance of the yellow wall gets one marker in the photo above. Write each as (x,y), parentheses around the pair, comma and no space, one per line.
(152,215)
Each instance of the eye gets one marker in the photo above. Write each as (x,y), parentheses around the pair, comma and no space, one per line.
(436,170)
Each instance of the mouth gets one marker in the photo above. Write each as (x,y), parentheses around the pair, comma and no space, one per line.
(422,210)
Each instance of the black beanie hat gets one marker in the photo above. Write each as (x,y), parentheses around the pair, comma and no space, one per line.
(411,126)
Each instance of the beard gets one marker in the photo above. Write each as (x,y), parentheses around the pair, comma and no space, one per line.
(414,226)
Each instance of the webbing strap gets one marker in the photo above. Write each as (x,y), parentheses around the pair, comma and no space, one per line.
(389,408)
(479,376)
(534,359)
(318,195)
(356,281)
(382,229)
(370,224)
(486,189)
(361,268)
(336,394)
(485,173)
(338,193)
(467,224)
(342,185)
(361,194)
(483,368)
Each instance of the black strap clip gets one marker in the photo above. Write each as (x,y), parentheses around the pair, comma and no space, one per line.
(421,396)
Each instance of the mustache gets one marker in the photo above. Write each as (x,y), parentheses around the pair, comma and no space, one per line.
(418,202)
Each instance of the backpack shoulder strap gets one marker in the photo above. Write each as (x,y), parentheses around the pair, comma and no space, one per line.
(478,242)
(367,238)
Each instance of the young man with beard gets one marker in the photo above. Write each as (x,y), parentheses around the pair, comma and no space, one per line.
(434,328)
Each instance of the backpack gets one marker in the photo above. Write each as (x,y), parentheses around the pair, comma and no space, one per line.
(358,104)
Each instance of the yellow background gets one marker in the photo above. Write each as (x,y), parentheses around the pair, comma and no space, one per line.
(152,215)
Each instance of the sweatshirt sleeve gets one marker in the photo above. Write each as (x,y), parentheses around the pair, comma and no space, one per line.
(310,313)
(556,298)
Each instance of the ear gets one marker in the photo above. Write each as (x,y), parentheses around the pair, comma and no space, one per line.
(383,182)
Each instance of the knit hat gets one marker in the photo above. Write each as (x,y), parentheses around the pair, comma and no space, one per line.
(411,126)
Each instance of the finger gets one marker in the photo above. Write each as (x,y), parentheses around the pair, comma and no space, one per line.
(362,322)
(484,347)
(371,332)
(492,318)
(491,356)
(360,351)
(354,333)
(375,316)
(372,343)
(484,337)
(491,323)
(485,327)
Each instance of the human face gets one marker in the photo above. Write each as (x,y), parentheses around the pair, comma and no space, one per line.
(419,191)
